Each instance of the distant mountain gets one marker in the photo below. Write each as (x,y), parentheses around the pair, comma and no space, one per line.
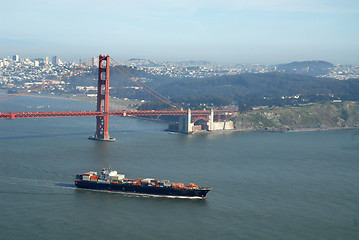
(249,83)
(252,89)
(310,68)
(255,88)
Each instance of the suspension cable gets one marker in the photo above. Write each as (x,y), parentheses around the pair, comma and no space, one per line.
(164,100)
(149,90)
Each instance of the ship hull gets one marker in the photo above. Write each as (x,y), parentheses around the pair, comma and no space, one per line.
(148,190)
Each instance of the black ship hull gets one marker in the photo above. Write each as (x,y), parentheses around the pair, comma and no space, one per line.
(199,193)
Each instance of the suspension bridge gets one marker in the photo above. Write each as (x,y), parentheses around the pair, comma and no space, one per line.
(103,112)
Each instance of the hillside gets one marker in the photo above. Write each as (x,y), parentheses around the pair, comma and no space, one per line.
(263,88)
(250,89)
(310,117)
(311,68)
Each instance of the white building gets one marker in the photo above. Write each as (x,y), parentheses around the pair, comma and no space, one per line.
(16,58)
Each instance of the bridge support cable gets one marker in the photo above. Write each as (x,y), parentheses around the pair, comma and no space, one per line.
(145,87)
(159,97)
(148,89)
(103,100)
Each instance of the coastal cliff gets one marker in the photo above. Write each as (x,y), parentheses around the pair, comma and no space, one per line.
(324,116)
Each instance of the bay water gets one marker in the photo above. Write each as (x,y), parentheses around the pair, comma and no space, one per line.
(294,185)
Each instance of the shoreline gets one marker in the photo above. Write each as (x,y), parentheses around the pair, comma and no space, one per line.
(297,130)
(118,105)
(61,97)
(259,131)
(69,97)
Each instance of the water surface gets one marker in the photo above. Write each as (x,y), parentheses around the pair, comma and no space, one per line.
(301,185)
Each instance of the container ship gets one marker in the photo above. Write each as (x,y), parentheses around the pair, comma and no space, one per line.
(110,180)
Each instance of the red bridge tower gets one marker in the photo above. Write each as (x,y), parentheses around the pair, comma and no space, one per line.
(103,97)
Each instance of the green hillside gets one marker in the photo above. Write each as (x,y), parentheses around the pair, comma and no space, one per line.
(314,116)
(267,89)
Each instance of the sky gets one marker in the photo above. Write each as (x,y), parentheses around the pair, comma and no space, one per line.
(221,31)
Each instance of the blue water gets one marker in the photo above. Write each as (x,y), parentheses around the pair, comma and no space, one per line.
(297,185)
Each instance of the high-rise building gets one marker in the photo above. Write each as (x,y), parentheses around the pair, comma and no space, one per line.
(55,60)
(16,58)
(82,61)
(46,60)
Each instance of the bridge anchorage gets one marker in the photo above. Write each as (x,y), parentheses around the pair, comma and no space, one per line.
(103,101)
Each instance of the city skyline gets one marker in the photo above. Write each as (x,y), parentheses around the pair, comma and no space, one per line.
(230,32)
(14,66)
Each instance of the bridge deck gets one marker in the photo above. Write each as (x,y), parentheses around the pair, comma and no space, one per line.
(111,113)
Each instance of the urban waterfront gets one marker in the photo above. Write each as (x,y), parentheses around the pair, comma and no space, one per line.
(294,185)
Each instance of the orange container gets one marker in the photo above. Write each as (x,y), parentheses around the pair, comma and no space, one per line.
(192,185)
(178,185)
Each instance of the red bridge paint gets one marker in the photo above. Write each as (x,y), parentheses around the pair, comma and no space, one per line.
(110,113)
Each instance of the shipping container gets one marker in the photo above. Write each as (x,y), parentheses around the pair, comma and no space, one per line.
(192,185)
(103,181)
(86,177)
(177,185)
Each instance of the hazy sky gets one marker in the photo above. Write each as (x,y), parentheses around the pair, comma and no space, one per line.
(223,31)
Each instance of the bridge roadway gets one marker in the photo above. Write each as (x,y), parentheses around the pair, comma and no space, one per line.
(111,113)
